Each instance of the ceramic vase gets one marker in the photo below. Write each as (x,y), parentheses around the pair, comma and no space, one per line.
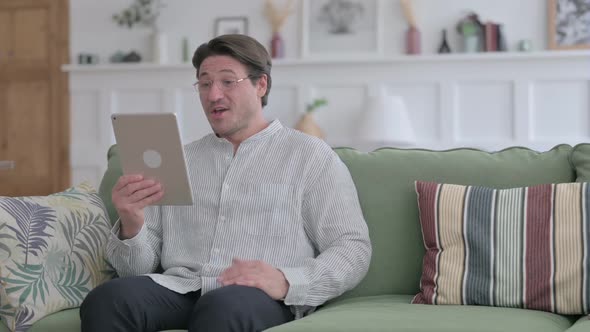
(413,41)
(471,44)
(308,125)
(277,46)
(159,47)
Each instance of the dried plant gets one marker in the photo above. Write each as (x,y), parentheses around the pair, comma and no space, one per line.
(277,17)
(409,13)
(140,12)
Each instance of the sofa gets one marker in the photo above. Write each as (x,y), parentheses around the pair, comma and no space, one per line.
(385,180)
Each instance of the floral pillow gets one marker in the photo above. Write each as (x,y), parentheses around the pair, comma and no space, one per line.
(51,253)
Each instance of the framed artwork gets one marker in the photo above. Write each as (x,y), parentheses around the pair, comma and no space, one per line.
(569,24)
(231,25)
(341,28)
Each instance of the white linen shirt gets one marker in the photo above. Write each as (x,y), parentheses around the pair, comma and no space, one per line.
(284,198)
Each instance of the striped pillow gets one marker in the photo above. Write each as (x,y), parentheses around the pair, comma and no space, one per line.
(522,248)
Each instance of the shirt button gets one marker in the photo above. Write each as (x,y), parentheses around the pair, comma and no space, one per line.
(226,186)
(222,218)
(216,250)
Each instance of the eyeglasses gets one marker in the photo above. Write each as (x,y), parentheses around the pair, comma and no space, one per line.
(203,86)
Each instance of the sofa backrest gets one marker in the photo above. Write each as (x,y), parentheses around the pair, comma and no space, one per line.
(385,184)
(112,174)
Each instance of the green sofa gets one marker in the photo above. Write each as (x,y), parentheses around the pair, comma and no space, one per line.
(385,183)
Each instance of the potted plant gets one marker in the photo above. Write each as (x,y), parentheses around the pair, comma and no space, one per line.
(307,124)
(141,12)
(145,13)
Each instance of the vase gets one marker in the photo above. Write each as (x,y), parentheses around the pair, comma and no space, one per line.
(277,46)
(444,45)
(525,45)
(471,44)
(413,40)
(185,50)
(159,47)
(308,125)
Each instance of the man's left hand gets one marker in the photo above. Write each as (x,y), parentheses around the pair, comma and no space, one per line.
(256,274)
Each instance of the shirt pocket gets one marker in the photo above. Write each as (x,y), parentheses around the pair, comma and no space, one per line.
(271,209)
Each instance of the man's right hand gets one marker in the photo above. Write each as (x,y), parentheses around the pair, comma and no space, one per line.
(131,194)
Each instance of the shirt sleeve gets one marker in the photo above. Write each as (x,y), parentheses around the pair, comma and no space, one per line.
(141,253)
(334,222)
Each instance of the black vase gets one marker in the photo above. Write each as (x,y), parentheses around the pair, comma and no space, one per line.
(444,45)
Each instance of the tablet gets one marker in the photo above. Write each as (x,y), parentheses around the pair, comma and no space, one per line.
(150,144)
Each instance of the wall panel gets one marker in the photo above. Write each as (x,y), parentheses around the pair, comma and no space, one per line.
(488,101)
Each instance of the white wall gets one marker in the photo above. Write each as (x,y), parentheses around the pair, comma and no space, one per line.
(487,100)
(94,31)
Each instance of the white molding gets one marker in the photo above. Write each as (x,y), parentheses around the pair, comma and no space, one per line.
(332,61)
(522,102)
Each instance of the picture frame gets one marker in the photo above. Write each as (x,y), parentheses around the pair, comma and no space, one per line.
(231,25)
(342,28)
(568,24)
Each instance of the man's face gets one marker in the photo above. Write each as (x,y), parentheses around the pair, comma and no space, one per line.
(231,106)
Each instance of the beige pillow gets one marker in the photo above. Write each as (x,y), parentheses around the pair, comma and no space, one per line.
(51,253)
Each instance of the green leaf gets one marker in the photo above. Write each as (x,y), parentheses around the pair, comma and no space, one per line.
(24,295)
(7,311)
(15,289)
(25,278)
(3,246)
(85,233)
(73,285)
(32,281)
(317,103)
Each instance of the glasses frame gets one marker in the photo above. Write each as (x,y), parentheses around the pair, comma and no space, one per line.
(221,87)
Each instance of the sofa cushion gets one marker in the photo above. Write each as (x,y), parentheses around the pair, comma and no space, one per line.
(582,325)
(395,313)
(385,183)
(523,247)
(63,321)
(111,175)
(52,253)
(581,161)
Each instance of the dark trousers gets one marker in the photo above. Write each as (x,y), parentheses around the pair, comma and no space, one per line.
(139,304)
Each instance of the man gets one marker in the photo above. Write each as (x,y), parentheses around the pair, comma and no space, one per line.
(276,228)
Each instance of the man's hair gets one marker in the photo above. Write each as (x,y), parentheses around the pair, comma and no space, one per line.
(245,49)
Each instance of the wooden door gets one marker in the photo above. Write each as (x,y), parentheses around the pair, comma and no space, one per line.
(34,98)
(5,34)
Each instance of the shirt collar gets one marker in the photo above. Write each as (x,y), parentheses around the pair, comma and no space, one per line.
(271,129)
